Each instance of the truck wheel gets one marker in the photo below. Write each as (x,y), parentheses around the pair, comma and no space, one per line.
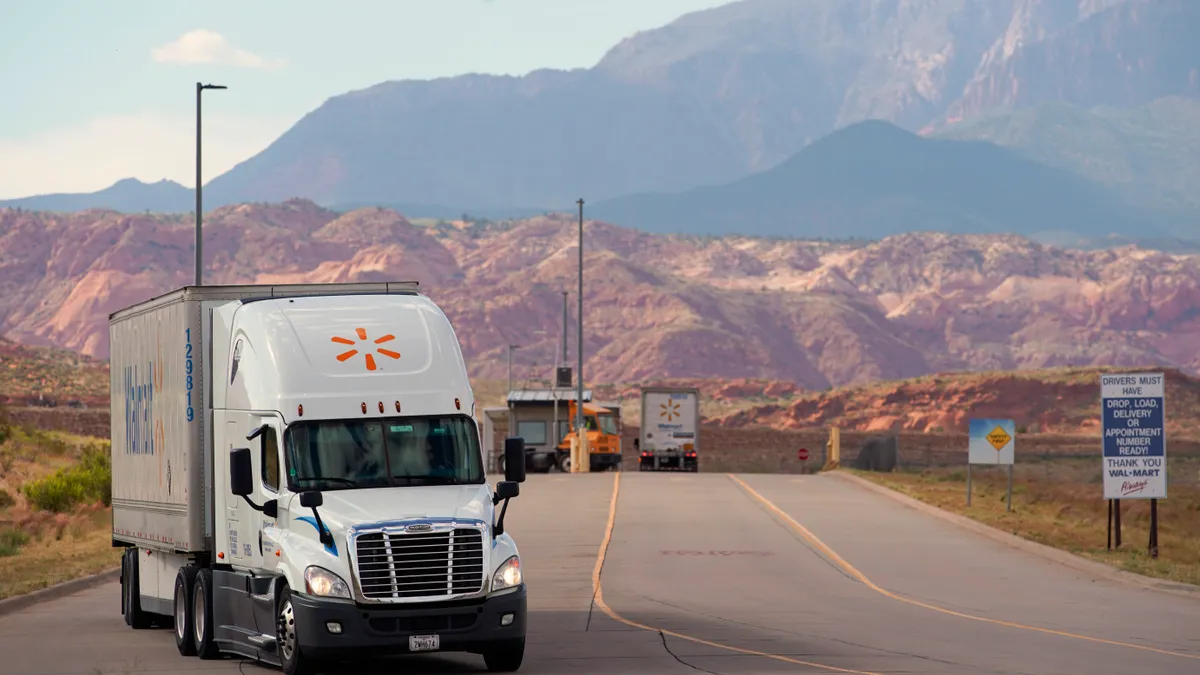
(202,616)
(135,617)
(185,636)
(505,657)
(564,463)
(290,656)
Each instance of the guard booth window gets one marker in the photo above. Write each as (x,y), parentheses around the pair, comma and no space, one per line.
(534,433)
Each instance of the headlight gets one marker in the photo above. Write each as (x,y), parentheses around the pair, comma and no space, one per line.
(320,581)
(507,575)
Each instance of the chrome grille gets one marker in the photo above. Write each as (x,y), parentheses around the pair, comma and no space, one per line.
(397,565)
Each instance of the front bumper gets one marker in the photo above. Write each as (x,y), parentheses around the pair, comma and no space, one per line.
(464,626)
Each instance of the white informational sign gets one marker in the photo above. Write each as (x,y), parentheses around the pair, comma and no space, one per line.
(992,442)
(1133,419)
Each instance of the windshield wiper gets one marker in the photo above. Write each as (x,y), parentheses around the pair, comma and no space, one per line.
(344,481)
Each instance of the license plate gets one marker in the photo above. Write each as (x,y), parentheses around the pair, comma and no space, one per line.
(424,643)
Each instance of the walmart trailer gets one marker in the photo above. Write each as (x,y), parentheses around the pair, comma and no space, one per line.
(670,433)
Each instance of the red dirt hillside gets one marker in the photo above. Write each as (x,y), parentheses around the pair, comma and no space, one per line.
(1058,400)
(818,314)
(32,375)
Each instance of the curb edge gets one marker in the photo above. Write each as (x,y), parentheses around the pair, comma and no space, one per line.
(1050,553)
(66,588)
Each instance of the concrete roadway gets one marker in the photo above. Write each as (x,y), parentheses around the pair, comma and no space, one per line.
(719,574)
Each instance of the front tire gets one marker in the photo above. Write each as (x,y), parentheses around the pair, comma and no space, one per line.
(185,637)
(564,463)
(505,657)
(202,617)
(290,654)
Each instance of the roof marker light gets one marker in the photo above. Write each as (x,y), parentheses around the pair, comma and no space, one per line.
(381,407)
(364,407)
(457,404)
(300,410)
(397,406)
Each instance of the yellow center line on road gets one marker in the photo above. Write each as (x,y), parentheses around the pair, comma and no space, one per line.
(854,572)
(598,594)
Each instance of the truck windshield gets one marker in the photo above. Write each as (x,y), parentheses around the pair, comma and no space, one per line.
(340,454)
(608,424)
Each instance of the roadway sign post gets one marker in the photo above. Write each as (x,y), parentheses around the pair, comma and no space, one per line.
(1133,420)
(992,442)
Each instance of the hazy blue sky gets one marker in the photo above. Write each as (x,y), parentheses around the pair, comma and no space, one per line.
(92,92)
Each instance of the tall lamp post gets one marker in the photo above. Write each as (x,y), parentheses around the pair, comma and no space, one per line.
(579,330)
(200,185)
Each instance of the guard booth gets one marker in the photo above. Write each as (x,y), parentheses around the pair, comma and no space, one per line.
(542,418)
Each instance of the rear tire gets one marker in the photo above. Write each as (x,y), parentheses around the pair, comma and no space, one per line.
(135,617)
(185,632)
(505,657)
(202,616)
(564,463)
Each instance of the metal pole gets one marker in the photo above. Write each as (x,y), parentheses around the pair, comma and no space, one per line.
(1153,528)
(199,200)
(968,483)
(1108,546)
(564,333)
(200,187)
(1008,507)
(579,330)
(510,353)
(1116,524)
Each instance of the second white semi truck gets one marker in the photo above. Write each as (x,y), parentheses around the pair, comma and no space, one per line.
(298,479)
(670,433)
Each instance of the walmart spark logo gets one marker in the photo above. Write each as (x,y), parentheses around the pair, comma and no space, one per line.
(670,410)
(368,356)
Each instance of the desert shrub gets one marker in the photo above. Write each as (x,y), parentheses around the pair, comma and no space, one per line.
(11,542)
(88,481)
(6,500)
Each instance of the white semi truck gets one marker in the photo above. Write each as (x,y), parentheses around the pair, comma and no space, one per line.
(298,479)
(670,433)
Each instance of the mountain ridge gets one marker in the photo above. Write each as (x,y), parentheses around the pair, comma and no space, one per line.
(715,96)
(659,306)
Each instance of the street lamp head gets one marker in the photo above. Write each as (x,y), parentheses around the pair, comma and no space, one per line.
(211,86)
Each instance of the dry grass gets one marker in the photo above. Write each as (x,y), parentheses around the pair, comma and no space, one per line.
(56,547)
(1060,503)
(60,549)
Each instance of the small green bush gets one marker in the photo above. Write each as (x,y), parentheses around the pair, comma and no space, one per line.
(11,542)
(88,481)
(6,500)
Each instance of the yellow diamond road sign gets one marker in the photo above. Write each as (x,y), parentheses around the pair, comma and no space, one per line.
(998,438)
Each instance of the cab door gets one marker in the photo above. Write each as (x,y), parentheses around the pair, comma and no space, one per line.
(268,453)
(245,523)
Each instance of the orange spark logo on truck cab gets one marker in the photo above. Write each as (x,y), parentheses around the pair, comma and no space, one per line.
(369,357)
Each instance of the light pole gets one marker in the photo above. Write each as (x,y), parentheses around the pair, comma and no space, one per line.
(510,353)
(199,186)
(508,396)
(579,330)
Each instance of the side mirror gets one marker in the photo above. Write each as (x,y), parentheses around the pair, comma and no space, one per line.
(514,459)
(241,472)
(311,499)
(507,489)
